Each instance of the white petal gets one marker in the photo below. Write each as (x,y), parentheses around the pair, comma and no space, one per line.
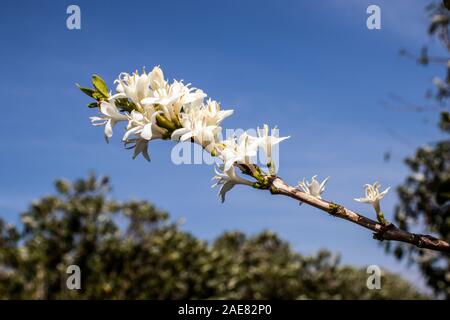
(146,132)
(150,100)
(178,133)
(133,130)
(364,200)
(186,136)
(108,128)
(225,188)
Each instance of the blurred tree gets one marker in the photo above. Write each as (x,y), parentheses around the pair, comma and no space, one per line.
(425,195)
(130,250)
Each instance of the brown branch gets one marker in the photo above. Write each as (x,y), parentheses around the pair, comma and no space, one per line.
(382,232)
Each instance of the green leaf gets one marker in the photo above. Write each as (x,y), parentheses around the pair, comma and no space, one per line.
(165,123)
(93,105)
(447,4)
(443,192)
(125,105)
(445,121)
(88,91)
(98,96)
(100,85)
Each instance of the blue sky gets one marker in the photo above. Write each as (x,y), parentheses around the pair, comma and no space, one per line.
(312,68)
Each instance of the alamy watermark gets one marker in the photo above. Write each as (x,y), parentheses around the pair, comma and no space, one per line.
(373,22)
(73,281)
(192,153)
(374,278)
(73,21)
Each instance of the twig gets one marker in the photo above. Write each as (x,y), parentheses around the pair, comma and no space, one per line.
(389,232)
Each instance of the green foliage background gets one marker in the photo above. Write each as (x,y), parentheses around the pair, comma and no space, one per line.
(424,204)
(131,250)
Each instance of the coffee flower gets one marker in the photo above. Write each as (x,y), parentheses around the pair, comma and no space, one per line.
(111,116)
(373,197)
(137,86)
(313,188)
(169,94)
(171,98)
(140,146)
(213,113)
(238,150)
(267,141)
(157,109)
(201,123)
(143,126)
(227,179)
(156,106)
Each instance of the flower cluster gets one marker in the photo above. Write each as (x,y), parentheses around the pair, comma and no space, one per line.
(156,109)
(153,109)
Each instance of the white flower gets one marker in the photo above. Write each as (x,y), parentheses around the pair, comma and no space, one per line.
(150,89)
(198,130)
(166,95)
(143,125)
(172,98)
(157,78)
(159,108)
(137,86)
(313,188)
(140,146)
(189,98)
(201,122)
(240,151)
(373,195)
(213,114)
(111,116)
(267,141)
(143,128)
(227,180)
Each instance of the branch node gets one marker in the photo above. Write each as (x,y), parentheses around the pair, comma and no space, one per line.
(378,236)
(417,240)
(273,189)
(336,209)
(384,228)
